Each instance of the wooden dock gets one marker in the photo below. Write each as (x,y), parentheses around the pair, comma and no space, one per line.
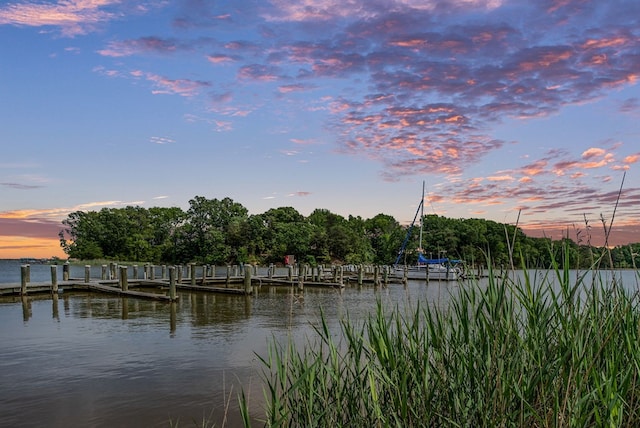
(66,286)
(117,280)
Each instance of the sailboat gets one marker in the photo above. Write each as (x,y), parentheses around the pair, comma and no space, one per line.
(427,269)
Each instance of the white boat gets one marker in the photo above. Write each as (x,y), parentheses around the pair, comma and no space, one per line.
(427,269)
(430,269)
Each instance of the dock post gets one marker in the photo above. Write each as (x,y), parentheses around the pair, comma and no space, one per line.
(179,274)
(192,273)
(65,271)
(376,276)
(341,275)
(204,274)
(270,271)
(247,279)
(360,275)
(385,275)
(54,279)
(112,271)
(103,272)
(228,281)
(152,272)
(164,271)
(28,273)
(290,272)
(172,283)
(213,271)
(135,271)
(124,281)
(87,273)
(23,279)
(302,273)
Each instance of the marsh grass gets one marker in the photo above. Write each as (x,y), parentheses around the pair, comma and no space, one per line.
(547,351)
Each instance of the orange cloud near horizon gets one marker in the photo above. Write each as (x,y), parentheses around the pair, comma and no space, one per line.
(16,247)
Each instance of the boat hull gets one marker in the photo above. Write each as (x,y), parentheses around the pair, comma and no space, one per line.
(431,273)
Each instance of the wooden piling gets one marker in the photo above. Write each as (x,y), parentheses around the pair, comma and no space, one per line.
(192,273)
(54,279)
(65,272)
(28,273)
(172,283)
(228,281)
(103,272)
(87,273)
(302,273)
(113,270)
(247,279)
(23,280)
(124,280)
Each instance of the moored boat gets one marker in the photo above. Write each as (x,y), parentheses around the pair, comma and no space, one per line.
(427,269)
(430,269)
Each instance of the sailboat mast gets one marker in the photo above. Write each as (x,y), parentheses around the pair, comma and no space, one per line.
(421,218)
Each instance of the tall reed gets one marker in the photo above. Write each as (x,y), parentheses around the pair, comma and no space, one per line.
(550,350)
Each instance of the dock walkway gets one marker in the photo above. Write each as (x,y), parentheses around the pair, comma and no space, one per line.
(120,280)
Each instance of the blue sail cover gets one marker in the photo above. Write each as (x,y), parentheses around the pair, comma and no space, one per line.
(424,261)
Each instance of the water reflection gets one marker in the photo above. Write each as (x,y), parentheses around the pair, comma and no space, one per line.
(54,304)
(26,308)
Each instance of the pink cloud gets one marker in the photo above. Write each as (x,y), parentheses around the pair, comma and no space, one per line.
(593,152)
(221,58)
(632,159)
(32,227)
(183,87)
(73,17)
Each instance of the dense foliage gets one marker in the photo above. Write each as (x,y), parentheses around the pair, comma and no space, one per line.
(222,232)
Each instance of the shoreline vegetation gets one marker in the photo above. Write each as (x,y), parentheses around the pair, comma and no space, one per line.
(221,232)
(540,352)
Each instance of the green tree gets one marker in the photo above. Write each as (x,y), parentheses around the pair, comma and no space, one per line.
(385,236)
(204,235)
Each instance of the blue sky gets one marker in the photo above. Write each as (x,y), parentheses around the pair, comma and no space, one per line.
(501,106)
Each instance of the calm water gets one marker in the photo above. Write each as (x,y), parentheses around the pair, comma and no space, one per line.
(93,360)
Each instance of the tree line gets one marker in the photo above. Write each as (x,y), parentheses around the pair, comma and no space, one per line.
(213,231)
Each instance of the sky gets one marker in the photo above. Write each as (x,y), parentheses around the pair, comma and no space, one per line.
(518,111)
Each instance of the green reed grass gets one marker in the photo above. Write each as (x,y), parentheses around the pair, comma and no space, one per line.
(545,351)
